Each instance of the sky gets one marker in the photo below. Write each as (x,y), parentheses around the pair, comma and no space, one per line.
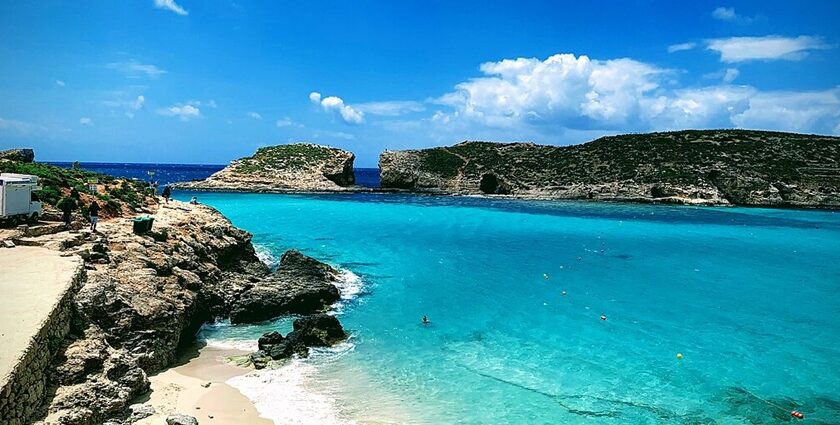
(208,81)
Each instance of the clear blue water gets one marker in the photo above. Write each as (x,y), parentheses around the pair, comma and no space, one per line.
(749,297)
(172,173)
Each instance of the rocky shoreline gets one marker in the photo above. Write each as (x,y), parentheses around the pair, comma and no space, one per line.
(708,167)
(145,297)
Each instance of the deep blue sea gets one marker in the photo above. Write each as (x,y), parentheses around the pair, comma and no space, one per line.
(515,291)
(170,173)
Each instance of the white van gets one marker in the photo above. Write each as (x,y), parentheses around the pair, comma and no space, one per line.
(18,199)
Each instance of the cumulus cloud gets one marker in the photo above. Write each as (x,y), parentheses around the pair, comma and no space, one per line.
(566,93)
(254,115)
(336,106)
(86,121)
(171,6)
(185,112)
(681,47)
(771,47)
(134,69)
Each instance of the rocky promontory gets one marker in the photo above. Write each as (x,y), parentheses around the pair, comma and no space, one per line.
(283,168)
(712,167)
(146,296)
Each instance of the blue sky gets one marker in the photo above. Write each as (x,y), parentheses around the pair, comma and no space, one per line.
(209,81)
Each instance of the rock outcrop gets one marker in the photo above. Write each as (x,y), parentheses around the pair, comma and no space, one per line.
(317,330)
(18,155)
(146,296)
(284,168)
(301,285)
(716,167)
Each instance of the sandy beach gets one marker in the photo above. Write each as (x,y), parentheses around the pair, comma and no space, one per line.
(184,389)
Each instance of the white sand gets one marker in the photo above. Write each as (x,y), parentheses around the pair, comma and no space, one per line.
(181,389)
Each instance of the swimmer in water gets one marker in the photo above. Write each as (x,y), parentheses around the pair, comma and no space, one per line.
(425,320)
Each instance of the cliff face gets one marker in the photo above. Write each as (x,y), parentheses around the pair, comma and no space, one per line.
(301,166)
(693,167)
(146,296)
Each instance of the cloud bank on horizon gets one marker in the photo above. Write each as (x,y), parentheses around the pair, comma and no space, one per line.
(737,70)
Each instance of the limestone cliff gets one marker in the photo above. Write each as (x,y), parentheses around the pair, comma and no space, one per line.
(715,167)
(146,296)
(284,168)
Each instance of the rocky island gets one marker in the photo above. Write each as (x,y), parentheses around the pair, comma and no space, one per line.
(711,167)
(284,168)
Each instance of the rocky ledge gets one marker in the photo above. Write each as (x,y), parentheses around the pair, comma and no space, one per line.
(283,168)
(713,167)
(146,296)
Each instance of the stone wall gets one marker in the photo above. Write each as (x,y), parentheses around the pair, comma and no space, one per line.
(23,396)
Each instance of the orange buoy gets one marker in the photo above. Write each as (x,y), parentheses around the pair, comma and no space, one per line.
(603,317)
(796,414)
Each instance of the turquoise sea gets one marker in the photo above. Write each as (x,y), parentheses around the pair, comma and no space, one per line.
(515,291)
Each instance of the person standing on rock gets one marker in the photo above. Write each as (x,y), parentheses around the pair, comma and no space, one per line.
(93,211)
(167,192)
(66,204)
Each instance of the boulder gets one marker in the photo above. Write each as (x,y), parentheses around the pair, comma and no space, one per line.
(181,420)
(317,330)
(20,155)
(302,285)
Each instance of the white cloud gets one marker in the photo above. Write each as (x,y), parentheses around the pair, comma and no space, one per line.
(15,125)
(729,14)
(336,105)
(390,108)
(771,47)
(287,122)
(724,13)
(171,6)
(730,75)
(254,115)
(59,83)
(86,121)
(681,47)
(562,90)
(334,135)
(546,100)
(184,112)
(134,69)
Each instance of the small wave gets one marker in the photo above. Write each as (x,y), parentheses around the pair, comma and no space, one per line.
(350,286)
(264,254)
(286,395)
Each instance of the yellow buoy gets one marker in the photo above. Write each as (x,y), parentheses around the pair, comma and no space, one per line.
(679,356)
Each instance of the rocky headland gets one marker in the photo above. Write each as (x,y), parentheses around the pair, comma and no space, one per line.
(710,167)
(145,297)
(284,168)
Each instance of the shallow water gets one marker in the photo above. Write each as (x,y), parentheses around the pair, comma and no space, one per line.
(749,297)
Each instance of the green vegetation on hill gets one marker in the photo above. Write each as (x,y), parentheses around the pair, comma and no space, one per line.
(56,182)
(283,156)
(740,166)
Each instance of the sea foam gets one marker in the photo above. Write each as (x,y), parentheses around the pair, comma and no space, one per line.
(287,395)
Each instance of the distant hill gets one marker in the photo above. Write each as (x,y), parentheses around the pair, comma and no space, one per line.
(714,167)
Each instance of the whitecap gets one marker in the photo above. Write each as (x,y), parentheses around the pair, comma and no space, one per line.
(266,257)
(286,395)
